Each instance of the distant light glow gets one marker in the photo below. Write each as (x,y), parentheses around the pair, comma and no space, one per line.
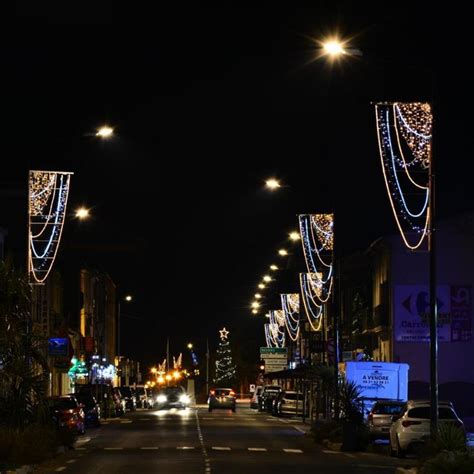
(267,278)
(255,304)
(272,184)
(294,236)
(333,48)
(105,132)
(255,311)
(82,213)
(282,252)
(273,268)
(261,286)
(258,296)
(128,298)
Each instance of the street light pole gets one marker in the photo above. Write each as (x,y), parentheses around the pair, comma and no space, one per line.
(433,300)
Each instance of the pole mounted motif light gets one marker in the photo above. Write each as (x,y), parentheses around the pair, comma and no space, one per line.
(290,304)
(404,132)
(47,201)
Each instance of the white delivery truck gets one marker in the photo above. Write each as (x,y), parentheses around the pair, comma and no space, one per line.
(378,381)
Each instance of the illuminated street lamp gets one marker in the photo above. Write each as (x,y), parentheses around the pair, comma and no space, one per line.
(190,346)
(257,296)
(283,252)
(335,48)
(294,236)
(261,286)
(272,184)
(161,380)
(273,268)
(255,304)
(255,311)
(267,278)
(105,132)
(153,370)
(82,213)
(128,298)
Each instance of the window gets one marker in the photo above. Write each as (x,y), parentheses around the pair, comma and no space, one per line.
(387,409)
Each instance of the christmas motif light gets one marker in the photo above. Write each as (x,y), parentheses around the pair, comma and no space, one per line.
(277,327)
(47,200)
(409,197)
(290,304)
(313,307)
(225,368)
(224,333)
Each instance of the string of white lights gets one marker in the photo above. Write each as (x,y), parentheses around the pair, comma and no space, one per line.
(414,121)
(290,304)
(313,315)
(277,327)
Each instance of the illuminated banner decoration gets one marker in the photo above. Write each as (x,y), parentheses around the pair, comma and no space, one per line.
(290,304)
(47,200)
(404,138)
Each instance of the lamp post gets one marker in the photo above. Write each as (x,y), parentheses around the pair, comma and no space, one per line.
(335,49)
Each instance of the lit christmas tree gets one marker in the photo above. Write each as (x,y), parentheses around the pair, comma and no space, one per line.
(225,369)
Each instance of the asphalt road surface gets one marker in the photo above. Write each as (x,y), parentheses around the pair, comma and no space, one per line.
(195,441)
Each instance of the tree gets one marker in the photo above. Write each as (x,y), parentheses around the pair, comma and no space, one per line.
(225,368)
(23,368)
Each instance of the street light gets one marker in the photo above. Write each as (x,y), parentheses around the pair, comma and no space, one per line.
(82,213)
(128,298)
(190,346)
(257,296)
(272,184)
(267,278)
(104,132)
(294,236)
(273,268)
(335,48)
(282,252)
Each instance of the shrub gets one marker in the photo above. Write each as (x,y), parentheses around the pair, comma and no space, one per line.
(449,462)
(330,430)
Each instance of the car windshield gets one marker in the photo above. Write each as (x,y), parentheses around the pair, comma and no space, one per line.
(387,409)
(125,391)
(444,413)
(62,404)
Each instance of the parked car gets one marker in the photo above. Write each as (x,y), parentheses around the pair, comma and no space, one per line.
(67,413)
(172,397)
(108,397)
(288,403)
(128,396)
(412,427)
(91,408)
(254,401)
(269,393)
(222,398)
(142,397)
(380,417)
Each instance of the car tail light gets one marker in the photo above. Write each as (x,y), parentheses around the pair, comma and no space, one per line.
(213,392)
(407,423)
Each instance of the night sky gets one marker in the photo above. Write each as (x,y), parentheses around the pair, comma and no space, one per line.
(207,103)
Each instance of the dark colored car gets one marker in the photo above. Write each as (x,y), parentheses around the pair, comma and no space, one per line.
(67,413)
(91,408)
(172,397)
(269,393)
(107,396)
(222,398)
(128,396)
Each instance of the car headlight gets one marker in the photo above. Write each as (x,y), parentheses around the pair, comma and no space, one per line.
(161,399)
(184,399)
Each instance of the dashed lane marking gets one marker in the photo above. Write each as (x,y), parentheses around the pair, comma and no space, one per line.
(80,449)
(125,421)
(257,449)
(145,448)
(104,422)
(220,448)
(70,461)
(185,447)
(325,451)
(299,429)
(348,455)
(299,451)
(113,449)
(59,469)
(83,440)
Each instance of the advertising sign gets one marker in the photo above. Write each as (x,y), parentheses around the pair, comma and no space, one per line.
(461,310)
(385,380)
(412,312)
(58,346)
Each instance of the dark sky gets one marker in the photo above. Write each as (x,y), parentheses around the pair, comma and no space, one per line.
(207,103)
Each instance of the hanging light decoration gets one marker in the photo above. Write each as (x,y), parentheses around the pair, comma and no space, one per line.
(275,329)
(313,306)
(404,132)
(47,200)
(290,304)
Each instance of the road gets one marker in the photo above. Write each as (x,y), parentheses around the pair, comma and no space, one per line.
(195,441)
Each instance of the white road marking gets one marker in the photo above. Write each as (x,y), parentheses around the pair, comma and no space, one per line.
(83,440)
(59,469)
(299,429)
(104,422)
(325,451)
(185,447)
(113,449)
(257,449)
(272,419)
(80,449)
(70,461)
(207,461)
(349,455)
(125,421)
(299,451)
(220,448)
(149,447)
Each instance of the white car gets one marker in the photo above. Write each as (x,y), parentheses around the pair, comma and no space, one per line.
(412,426)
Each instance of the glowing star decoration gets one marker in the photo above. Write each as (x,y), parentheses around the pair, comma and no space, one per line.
(47,201)
(404,132)
(223,334)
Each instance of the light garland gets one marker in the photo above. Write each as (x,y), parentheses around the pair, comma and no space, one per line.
(276,327)
(47,200)
(290,304)
(413,121)
(313,309)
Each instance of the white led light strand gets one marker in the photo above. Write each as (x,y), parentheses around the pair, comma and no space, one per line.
(277,327)
(413,121)
(312,308)
(290,304)
(47,191)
